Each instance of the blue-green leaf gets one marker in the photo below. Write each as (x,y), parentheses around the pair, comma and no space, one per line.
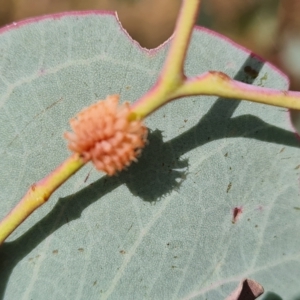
(165,228)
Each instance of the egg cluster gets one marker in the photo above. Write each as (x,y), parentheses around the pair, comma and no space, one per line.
(104,134)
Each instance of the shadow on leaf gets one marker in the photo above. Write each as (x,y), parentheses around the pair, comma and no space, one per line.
(271,296)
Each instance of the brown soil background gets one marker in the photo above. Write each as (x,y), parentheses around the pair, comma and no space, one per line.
(269,28)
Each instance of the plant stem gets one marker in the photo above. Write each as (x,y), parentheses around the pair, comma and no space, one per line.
(38,194)
(219,84)
(172,75)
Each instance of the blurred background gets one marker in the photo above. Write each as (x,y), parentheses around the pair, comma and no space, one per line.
(270,28)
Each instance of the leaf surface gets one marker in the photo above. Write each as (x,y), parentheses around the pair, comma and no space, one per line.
(164,228)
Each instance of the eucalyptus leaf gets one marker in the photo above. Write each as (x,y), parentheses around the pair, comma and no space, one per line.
(164,228)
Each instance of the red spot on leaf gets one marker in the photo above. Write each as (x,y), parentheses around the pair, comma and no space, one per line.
(236,214)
